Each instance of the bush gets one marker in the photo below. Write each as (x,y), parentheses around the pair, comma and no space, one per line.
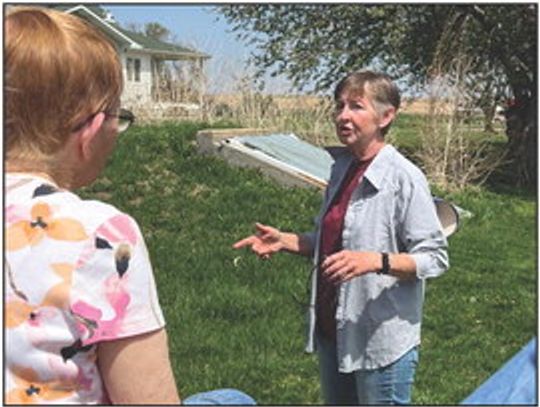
(454,150)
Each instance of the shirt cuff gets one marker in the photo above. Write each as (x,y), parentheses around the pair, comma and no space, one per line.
(427,266)
(310,237)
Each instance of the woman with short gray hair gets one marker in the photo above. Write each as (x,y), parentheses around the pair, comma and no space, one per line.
(377,240)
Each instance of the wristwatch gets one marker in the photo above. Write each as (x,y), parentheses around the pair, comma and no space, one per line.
(385,265)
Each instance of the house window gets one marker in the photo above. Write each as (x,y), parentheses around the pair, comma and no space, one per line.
(133,69)
(137,70)
(129,69)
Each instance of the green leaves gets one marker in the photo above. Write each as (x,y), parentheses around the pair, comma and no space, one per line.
(320,42)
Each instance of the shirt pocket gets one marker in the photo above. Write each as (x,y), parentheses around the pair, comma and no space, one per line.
(369,222)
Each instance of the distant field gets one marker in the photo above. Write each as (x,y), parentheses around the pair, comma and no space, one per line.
(413,106)
(310,117)
(235,321)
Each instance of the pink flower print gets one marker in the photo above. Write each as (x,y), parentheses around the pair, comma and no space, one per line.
(12,213)
(70,372)
(65,372)
(90,324)
(118,229)
(85,382)
(117,295)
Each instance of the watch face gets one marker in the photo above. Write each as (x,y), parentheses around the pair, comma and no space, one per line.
(385,264)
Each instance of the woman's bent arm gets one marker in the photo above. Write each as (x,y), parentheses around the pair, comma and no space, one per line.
(137,370)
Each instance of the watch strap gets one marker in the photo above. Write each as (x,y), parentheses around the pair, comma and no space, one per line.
(385,264)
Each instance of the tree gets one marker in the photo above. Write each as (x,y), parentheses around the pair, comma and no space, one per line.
(319,43)
(153,30)
(156,31)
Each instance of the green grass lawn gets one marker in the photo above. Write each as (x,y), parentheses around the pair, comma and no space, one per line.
(236,321)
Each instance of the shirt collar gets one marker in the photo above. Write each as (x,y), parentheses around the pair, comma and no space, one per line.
(377,170)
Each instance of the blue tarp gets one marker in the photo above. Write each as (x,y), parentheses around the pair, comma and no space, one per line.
(514,383)
(289,149)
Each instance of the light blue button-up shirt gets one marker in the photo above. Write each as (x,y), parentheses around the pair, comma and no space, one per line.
(392,210)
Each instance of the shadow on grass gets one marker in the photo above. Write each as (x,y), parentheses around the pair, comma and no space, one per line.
(504,180)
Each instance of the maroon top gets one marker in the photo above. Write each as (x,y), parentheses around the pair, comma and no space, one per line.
(332,227)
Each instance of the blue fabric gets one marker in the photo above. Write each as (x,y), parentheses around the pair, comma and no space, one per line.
(221,397)
(514,383)
(389,385)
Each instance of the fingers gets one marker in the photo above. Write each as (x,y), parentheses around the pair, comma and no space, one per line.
(248,241)
(262,228)
(332,265)
(263,243)
(339,271)
(265,231)
(259,248)
(342,266)
(342,275)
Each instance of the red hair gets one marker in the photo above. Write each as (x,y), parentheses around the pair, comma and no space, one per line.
(59,71)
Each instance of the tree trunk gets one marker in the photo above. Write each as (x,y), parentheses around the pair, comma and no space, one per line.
(489,114)
(521,128)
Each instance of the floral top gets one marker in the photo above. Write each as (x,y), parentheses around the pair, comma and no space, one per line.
(76,273)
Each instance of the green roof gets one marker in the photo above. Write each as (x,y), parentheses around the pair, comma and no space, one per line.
(155,44)
(147,43)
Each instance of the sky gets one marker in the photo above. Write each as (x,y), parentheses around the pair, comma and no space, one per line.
(200,27)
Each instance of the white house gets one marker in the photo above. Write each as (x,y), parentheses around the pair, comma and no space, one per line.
(143,59)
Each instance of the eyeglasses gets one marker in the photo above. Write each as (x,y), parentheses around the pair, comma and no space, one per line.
(125,119)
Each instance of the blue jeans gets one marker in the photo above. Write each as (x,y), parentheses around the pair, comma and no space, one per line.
(391,384)
(220,397)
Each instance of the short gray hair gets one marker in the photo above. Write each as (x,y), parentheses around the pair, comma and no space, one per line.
(380,88)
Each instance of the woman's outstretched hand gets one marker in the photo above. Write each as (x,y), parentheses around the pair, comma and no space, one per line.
(265,242)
